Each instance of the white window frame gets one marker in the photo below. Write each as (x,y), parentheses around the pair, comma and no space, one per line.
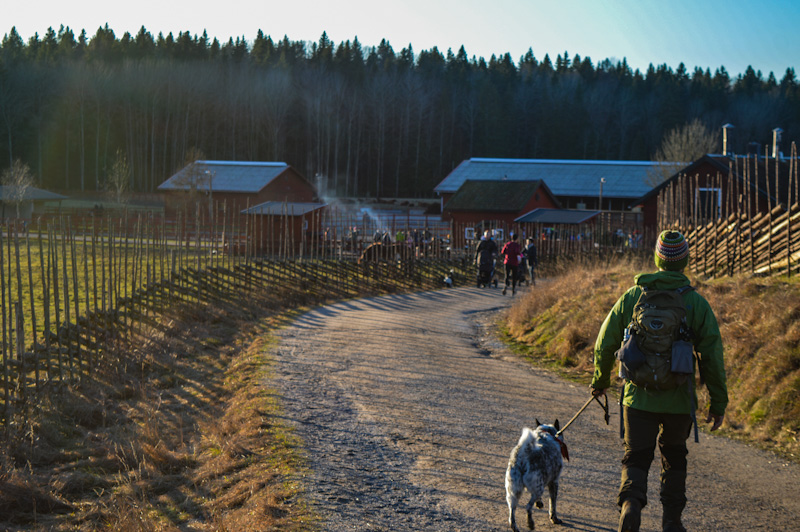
(699,207)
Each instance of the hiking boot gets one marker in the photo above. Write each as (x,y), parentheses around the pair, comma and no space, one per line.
(504,290)
(671,521)
(513,291)
(631,516)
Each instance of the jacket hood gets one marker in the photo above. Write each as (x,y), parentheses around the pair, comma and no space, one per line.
(662,280)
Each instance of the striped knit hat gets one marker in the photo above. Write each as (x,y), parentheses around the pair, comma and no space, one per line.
(672,251)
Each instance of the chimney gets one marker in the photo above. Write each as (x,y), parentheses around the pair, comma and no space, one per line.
(776,140)
(725,129)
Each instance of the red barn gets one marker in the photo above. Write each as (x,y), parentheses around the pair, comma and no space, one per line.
(498,203)
(236,185)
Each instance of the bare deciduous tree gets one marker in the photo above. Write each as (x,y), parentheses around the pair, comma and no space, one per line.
(118,181)
(682,145)
(196,180)
(17,181)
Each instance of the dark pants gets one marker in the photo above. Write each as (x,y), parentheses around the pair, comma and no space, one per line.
(511,275)
(642,431)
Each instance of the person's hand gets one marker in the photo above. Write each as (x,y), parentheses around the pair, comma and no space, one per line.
(717,419)
(598,392)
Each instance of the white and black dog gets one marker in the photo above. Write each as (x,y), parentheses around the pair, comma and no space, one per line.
(535,463)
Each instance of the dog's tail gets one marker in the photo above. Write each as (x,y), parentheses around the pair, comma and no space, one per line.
(527,437)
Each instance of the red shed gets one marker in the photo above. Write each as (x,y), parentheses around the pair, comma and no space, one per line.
(235,184)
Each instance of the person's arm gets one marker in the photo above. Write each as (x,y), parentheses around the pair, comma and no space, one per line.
(609,340)
(711,362)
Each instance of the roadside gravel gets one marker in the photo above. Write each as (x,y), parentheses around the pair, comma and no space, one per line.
(409,408)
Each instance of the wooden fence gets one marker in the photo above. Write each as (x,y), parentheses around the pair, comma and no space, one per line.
(738,237)
(80,292)
(76,293)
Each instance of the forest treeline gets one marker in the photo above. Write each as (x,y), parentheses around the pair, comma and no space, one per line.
(366,121)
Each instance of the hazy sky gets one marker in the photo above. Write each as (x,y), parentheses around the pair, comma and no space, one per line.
(707,33)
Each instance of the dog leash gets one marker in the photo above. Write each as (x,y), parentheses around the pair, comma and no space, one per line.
(585,405)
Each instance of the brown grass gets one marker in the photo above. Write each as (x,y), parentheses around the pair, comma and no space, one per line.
(557,322)
(185,436)
(177,430)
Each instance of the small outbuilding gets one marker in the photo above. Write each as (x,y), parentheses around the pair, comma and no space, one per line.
(286,229)
(234,186)
(24,202)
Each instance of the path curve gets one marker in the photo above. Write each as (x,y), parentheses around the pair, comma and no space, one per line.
(409,409)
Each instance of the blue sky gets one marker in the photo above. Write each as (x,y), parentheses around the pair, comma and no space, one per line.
(704,33)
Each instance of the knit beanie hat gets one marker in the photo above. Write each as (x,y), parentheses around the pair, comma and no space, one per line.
(672,251)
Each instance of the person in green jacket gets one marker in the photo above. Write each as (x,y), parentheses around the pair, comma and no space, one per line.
(661,416)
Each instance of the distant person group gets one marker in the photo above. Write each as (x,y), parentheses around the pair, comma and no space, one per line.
(519,263)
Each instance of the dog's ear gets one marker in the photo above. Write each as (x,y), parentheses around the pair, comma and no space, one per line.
(537,423)
(556,425)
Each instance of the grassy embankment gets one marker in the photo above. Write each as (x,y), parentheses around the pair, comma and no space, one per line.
(557,322)
(179,431)
(182,435)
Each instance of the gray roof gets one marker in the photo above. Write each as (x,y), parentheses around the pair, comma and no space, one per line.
(557,216)
(280,208)
(623,179)
(31,194)
(226,176)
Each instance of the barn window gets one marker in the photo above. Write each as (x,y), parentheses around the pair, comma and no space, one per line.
(708,203)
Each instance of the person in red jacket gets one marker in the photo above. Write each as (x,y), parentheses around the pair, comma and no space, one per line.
(511,252)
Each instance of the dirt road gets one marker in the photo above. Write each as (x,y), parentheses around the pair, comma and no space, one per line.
(409,409)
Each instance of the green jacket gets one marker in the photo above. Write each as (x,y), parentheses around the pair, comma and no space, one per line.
(707,343)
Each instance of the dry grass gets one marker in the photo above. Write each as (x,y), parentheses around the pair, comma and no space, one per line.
(183,436)
(557,324)
(177,432)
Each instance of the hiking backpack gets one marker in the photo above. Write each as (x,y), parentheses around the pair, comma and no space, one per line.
(657,352)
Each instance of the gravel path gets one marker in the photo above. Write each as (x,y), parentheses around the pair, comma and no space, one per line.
(409,409)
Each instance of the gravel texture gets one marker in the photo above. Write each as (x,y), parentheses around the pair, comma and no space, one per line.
(409,408)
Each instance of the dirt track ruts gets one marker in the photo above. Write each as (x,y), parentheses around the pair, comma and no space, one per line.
(409,407)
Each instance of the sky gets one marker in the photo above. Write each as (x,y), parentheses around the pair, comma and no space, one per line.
(700,33)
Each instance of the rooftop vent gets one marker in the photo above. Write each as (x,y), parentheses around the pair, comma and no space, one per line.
(776,141)
(725,129)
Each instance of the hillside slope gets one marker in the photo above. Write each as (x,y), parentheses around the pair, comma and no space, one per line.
(557,322)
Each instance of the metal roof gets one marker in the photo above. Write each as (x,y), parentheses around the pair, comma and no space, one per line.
(557,216)
(31,194)
(623,179)
(280,208)
(225,176)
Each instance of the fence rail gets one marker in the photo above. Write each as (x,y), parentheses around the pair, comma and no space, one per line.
(754,230)
(78,292)
(75,293)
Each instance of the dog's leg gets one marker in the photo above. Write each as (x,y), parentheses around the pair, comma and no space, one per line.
(512,499)
(553,488)
(534,499)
